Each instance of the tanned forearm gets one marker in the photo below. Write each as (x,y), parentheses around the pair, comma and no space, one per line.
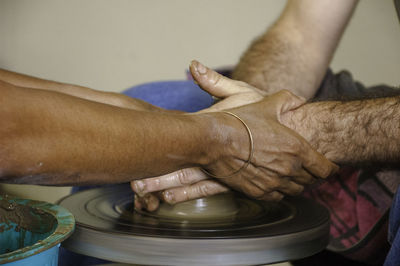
(354,132)
(51,138)
(111,98)
(295,52)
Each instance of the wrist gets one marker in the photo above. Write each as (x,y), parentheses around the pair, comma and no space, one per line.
(316,124)
(302,121)
(224,136)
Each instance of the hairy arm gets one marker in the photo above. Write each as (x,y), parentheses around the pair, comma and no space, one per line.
(295,52)
(353,132)
(110,98)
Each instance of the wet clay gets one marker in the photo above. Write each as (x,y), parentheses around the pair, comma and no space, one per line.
(221,206)
(26,217)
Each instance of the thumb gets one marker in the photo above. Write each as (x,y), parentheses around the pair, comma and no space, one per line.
(214,83)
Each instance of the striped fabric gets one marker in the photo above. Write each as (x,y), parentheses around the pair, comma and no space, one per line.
(358,201)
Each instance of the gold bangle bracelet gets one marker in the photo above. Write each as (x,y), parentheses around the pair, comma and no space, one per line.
(250,152)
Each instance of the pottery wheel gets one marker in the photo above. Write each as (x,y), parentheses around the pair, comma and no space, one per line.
(243,232)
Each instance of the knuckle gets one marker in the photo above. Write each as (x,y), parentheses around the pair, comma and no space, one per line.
(217,79)
(324,171)
(254,192)
(274,196)
(184,177)
(330,170)
(257,194)
(169,197)
(277,197)
(296,146)
(299,189)
(205,190)
(274,183)
(305,180)
(286,170)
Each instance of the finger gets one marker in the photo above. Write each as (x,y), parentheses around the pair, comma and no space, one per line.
(201,189)
(215,83)
(289,166)
(149,202)
(245,186)
(283,164)
(265,179)
(256,192)
(269,181)
(179,178)
(273,196)
(317,164)
(291,188)
(137,203)
(277,183)
(304,178)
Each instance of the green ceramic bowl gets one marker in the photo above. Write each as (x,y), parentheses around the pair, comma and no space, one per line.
(31,231)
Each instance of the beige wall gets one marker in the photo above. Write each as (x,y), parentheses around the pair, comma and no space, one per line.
(111,45)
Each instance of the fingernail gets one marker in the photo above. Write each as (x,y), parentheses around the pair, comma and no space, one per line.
(139,186)
(169,197)
(199,67)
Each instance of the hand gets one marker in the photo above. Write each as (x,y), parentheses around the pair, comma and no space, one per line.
(192,183)
(274,180)
(179,186)
(282,160)
(233,93)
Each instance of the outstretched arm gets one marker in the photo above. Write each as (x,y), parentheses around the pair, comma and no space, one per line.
(295,52)
(53,138)
(110,98)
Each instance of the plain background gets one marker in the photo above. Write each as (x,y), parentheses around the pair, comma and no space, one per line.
(112,45)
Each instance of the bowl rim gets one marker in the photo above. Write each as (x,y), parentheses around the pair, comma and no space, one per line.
(65,227)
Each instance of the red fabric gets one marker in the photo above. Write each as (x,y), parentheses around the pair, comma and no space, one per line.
(357,200)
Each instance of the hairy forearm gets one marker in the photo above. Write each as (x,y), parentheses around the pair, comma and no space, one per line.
(275,61)
(110,98)
(56,139)
(354,132)
(295,52)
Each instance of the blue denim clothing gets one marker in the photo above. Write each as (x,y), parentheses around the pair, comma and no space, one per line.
(393,257)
